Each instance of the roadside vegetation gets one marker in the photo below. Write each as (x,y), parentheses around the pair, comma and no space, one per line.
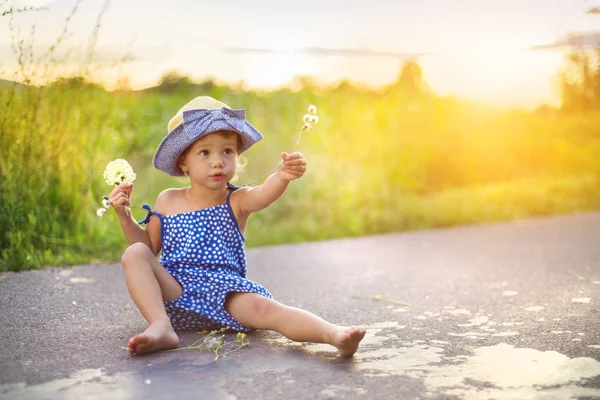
(394,159)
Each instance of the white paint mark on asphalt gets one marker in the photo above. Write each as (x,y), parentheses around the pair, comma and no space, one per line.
(95,383)
(534,308)
(476,321)
(499,371)
(408,361)
(81,280)
(458,311)
(509,293)
(514,373)
(334,391)
(87,377)
(581,300)
(384,325)
(504,334)
(470,335)
(594,346)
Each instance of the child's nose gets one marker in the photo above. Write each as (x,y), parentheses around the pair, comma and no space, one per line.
(217,162)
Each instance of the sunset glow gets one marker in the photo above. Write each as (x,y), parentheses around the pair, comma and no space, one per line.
(470,50)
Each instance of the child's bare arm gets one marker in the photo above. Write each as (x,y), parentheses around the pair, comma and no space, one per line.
(133,232)
(256,199)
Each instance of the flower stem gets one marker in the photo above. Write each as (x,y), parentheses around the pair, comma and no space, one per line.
(304,129)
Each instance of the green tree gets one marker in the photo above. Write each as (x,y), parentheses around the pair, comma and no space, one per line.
(174,81)
(580,81)
(410,83)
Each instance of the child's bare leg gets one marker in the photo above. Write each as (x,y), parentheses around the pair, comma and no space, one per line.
(258,312)
(150,284)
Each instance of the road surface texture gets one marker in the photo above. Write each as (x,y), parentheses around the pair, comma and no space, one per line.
(499,311)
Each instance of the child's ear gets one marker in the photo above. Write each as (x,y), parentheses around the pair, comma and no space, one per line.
(181,164)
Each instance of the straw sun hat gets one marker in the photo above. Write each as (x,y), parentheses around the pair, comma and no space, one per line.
(198,118)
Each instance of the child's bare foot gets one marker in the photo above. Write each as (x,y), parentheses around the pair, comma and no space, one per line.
(158,336)
(347,339)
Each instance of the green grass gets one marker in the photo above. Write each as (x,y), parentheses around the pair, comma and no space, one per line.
(375,165)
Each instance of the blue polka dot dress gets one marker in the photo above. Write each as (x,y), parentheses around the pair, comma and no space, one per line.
(204,251)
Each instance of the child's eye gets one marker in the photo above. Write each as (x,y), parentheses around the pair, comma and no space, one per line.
(228,151)
(203,152)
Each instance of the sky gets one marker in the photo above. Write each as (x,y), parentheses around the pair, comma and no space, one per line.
(499,52)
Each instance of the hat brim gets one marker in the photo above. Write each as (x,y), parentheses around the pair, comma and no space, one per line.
(177,141)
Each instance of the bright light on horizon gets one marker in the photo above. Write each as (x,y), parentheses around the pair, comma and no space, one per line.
(508,78)
(475,52)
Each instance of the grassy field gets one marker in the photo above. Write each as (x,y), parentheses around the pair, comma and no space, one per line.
(377,163)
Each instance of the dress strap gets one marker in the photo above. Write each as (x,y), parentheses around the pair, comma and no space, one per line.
(150,214)
(233,189)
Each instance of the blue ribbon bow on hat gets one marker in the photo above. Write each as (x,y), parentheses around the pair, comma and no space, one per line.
(197,122)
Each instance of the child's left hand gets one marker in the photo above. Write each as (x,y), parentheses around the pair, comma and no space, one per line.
(293,166)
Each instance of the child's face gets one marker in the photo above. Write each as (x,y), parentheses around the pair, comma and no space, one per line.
(212,159)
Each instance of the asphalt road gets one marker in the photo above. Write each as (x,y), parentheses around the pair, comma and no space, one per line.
(500,311)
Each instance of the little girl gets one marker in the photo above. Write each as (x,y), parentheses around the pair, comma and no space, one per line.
(200,282)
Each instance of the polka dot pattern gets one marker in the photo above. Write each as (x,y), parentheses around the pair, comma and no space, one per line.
(204,251)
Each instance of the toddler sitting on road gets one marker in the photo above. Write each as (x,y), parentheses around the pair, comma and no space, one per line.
(200,282)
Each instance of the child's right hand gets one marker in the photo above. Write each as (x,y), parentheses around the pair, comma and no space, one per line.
(119,198)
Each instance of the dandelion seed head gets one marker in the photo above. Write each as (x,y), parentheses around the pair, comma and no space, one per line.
(314,119)
(101,211)
(213,343)
(106,203)
(119,171)
(312,109)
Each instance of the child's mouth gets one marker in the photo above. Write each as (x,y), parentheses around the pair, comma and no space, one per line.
(217,176)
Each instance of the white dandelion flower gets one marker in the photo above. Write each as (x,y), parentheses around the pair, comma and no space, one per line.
(119,171)
(101,211)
